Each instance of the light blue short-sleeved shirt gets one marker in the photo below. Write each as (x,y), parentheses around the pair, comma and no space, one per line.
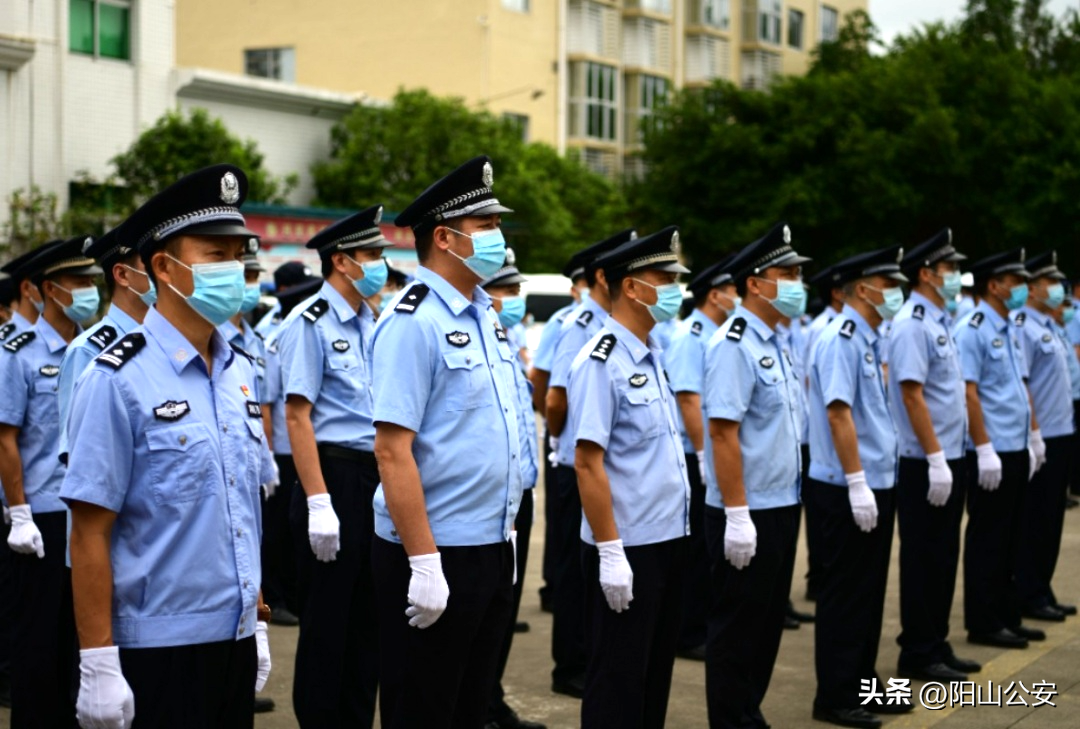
(749,380)
(251,342)
(1072,329)
(847,368)
(663,332)
(178,455)
(1047,360)
(549,337)
(580,326)
(275,393)
(1074,363)
(684,360)
(621,401)
(922,350)
(444,371)
(990,356)
(324,348)
(81,352)
(530,461)
(270,321)
(30,370)
(813,331)
(792,341)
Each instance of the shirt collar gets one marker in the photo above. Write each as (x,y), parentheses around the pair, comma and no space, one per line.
(935,310)
(21,321)
(708,326)
(997,320)
(178,350)
(122,318)
(231,333)
(337,302)
(861,325)
(763,330)
(52,338)
(1045,320)
(451,296)
(634,346)
(597,310)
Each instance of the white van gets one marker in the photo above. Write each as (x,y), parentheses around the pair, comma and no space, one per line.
(545,293)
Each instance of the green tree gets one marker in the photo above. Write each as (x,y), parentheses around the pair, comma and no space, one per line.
(390,154)
(32,220)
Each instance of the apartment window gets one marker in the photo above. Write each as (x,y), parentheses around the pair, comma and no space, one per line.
(769,14)
(600,161)
(275,63)
(795,28)
(655,6)
(592,28)
(710,13)
(100,28)
(593,102)
(830,24)
(643,95)
(520,6)
(519,122)
(646,43)
(707,58)
(759,68)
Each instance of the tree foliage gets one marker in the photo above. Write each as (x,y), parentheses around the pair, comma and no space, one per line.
(975,126)
(390,154)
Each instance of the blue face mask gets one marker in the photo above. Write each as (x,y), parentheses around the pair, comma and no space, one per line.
(951,305)
(890,307)
(149,296)
(1018,296)
(219,289)
(951,284)
(1055,295)
(489,252)
(375,275)
(251,298)
(1068,314)
(668,301)
(84,303)
(513,311)
(790,298)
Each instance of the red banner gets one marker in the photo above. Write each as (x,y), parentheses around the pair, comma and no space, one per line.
(299,230)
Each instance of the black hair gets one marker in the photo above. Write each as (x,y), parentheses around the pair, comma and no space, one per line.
(425,239)
(701,296)
(327,265)
(590,276)
(110,281)
(740,286)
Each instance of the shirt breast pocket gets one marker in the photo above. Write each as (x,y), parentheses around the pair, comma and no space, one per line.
(770,386)
(343,362)
(254,450)
(642,413)
(46,386)
(180,461)
(468,385)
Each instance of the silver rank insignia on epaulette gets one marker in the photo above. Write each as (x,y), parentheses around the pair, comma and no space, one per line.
(638,379)
(412,299)
(976,320)
(919,312)
(584,318)
(735,331)
(20,341)
(847,329)
(317,309)
(603,347)
(1020,319)
(104,336)
(695,329)
(122,352)
(6,330)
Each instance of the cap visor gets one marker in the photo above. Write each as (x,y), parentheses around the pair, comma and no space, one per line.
(493,209)
(954,257)
(91,270)
(669,268)
(898,277)
(514,278)
(791,259)
(216,229)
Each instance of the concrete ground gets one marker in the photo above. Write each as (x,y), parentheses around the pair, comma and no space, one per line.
(1056,661)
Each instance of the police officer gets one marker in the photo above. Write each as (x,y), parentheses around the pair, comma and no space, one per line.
(444,392)
(998,463)
(1047,363)
(43,651)
(752,399)
(1063,316)
(167,454)
(325,351)
(286,277)
(634,490)
(850,489)
(504,288)
(567,629)
(27,303)
(131,294)
(714,298)
(238,332)
(926,395)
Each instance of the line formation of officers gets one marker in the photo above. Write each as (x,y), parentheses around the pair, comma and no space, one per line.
(366,461)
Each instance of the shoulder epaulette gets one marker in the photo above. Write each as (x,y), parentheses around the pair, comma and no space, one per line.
(259,335)
(695,329)
(121,353)
(976,320)
(919,312)
(20,341)
(735,331)
(412,298)
(562,317)
(317,309)
(6,330)
(241,350)
(103,337)
(847,329)
(584,318)
(603,347)
(1020,319)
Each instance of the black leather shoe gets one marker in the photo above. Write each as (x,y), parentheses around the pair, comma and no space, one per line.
(886,708)
(859,718)
(521,627)
(697,653)
(931,672)
(1003,638)
(963,665)
(1029,633)
(508,719)
(1065,609)
(799,617)
(263,704)
(1046,613)
(791,623)
(282,616)
(573,687)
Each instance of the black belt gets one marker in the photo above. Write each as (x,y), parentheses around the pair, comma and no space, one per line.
(346,454)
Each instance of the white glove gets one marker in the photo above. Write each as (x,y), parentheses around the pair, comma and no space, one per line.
(740,536)
(513,543)
(940,479)
(989,466)
(863,505)
(25,537)
(1037,451)
(553,444)
(428,591)
(324,529)
(701,464)
(262,645)
(105,699)
(616,577)
(271,486)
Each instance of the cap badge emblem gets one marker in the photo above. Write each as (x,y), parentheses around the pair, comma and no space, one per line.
(488,175)
(787,234)
(230,188)
(675,242)
(378,215)
(86,244)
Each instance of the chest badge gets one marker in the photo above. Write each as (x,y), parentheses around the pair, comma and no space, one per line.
(869,358)
(941,340)
(458,339)
(246,390)
(500,333)
(340,346)
(766,362)
(49,370)
(997,343)
(1047,338)
(253,409)
(639,379)
(171,410)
